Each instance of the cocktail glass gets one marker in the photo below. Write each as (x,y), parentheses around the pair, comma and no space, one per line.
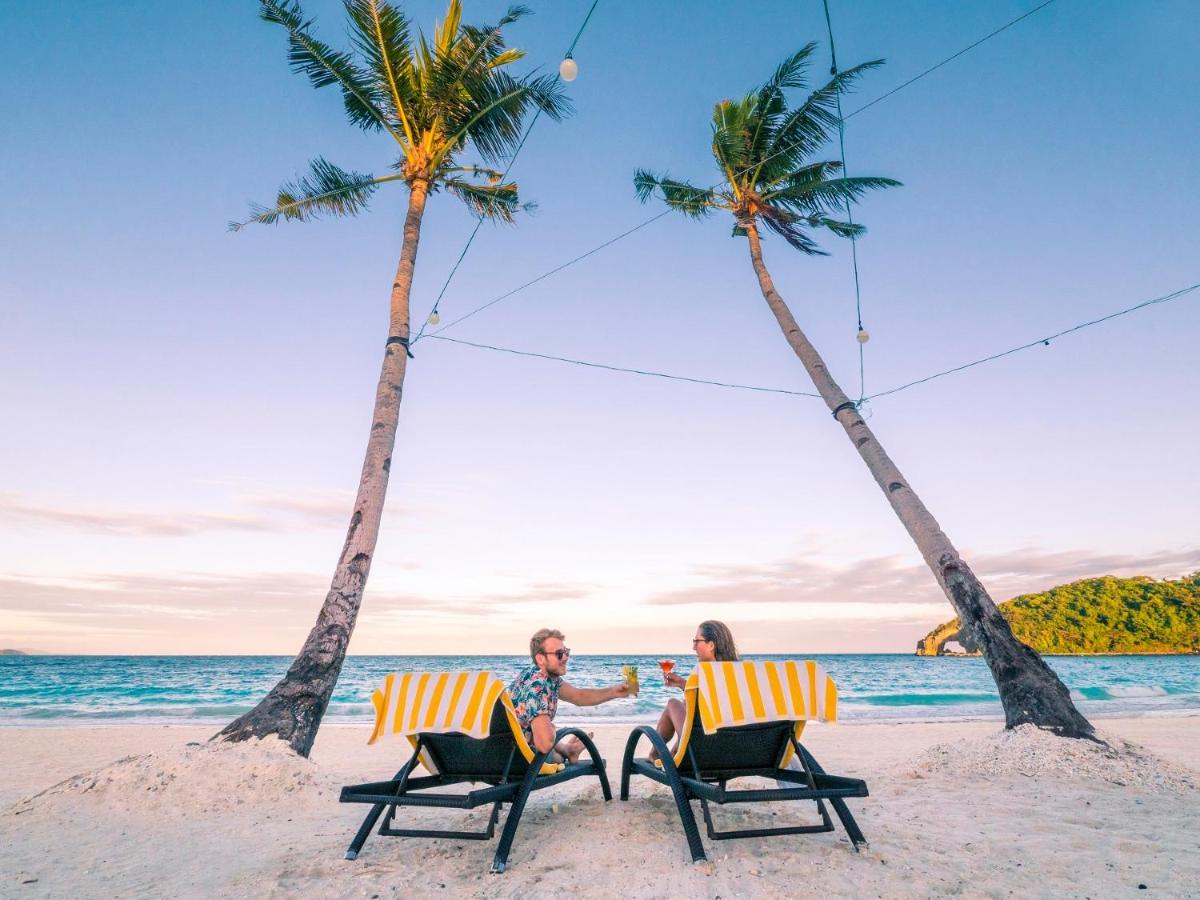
(667,666)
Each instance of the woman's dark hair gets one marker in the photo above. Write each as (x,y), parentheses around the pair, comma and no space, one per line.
(718,632)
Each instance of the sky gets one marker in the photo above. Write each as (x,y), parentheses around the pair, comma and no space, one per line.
(185,409)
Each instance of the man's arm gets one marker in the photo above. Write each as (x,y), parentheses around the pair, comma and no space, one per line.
(592,696)
(543,733)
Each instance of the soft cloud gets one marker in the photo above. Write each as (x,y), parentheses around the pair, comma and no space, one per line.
(876,604)
(540,592)
(893,579)
(267,612)
(258,512)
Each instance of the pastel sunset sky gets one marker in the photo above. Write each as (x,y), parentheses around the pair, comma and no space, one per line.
(185,409)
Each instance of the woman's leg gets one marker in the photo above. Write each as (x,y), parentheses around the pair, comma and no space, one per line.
(670,723)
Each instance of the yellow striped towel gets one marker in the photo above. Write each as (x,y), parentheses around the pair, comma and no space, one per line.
(744,693)
(437,702)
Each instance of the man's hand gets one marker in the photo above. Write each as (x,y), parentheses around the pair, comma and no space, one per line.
(594,696)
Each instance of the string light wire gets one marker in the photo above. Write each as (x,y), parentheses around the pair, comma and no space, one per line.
(1166,298)
(833,70)
(608,368)
(548,273)
(646,222)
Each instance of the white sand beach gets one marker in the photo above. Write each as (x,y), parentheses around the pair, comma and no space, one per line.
(955,809)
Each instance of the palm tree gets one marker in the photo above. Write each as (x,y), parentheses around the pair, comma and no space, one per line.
(766,154)
(434,99)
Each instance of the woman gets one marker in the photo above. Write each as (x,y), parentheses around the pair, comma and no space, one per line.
(713,641)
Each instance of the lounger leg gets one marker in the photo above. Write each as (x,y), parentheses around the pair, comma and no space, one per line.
(364,831)
(514,815)
(686,816)
(690,830)
(839,807)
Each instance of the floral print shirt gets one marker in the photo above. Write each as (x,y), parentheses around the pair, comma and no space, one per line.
(534,694)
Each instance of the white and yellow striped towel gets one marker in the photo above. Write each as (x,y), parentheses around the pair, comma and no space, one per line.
(744,693)
(437,702)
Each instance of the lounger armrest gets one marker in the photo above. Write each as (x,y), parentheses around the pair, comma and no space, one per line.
(650,734)
(656,741)
(584,739)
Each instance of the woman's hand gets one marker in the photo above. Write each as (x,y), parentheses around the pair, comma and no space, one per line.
(674,680)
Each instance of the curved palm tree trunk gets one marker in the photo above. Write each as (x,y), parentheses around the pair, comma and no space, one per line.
(1029,689)
(294,707)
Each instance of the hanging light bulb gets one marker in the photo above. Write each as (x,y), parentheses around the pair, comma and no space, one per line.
(568,69)
(434,318)
(863,336)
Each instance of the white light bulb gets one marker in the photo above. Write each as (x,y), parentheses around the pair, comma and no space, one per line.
(863,336)
(568,69)
(434,318)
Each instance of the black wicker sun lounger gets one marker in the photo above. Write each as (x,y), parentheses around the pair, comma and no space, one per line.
(706,762)
(502,763)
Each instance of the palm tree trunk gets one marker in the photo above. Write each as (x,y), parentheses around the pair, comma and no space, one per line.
(1029,689)
(294,707)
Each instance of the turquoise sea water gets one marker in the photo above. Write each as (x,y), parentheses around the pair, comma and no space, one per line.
(57,690)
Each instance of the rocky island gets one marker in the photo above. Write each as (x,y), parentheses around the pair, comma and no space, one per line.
(1095,615)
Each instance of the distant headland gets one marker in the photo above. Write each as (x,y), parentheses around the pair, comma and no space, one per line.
(1095,615)
(13,653)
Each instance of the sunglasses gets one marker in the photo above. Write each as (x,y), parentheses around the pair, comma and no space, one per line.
(696,641)
(561,653)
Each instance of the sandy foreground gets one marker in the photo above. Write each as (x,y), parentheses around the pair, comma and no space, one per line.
(955,809)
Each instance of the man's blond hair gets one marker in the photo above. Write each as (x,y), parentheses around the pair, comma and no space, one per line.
(537,643)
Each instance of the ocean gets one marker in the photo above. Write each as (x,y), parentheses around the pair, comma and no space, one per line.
(210,690)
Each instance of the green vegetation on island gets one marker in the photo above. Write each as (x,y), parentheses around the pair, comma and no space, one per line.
(1097,615)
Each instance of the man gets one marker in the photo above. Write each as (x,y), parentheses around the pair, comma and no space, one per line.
(536,690)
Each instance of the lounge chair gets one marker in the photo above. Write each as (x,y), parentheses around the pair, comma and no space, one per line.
(745,719)
(462,728)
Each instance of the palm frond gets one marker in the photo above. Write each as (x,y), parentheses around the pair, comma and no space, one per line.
(380,33)
(325,66)
(767,113)
(325,190)
(812,192)
(445,35)
(511,55)
(492,175)
(679,195)
(808,174)
(770,107)
(840,228)
(514,12)
(732,136)
(790,73)
(498,202)
(805,129)
(477,44)
(790,227)
(495,107)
